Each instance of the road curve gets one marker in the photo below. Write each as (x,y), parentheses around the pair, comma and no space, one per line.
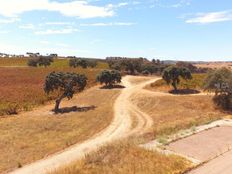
(121,126)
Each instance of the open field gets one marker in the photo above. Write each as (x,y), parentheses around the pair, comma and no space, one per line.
(170,113)
(22,87)
(58,63)
(215,65)
(36,134)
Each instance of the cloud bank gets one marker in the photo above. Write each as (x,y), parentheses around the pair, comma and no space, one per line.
(81,9)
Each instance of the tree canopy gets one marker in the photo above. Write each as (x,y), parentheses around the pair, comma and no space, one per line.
(76,62)
(172,75)
(220,82)
(40,61)
(109,78)
(66,84)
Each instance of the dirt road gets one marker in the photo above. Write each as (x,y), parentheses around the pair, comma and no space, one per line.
(126,114)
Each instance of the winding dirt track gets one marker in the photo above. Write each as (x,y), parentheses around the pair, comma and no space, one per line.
(122,126)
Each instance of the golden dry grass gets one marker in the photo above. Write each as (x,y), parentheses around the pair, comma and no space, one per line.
(126,158)
(172,113)
(215,65)
(36,134)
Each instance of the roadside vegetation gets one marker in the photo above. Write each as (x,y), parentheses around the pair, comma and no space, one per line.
(124,157)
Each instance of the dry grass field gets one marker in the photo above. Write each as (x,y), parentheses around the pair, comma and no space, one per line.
(22,87)
(170,113)
(215,65)
(34,135)
(176,112)
(126,158)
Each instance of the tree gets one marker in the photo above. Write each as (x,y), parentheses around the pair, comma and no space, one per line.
(32,62)
(109,78)
(172,75)
(92,63)
(220,82)
(66,84)
(45,61)
(188,65)
(78,62)
(40,61)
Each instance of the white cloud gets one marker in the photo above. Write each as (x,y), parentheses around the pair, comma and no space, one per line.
(62,45)
(44,42)
(122,4)
(82,9)
(181,3)
(8,21)
(27,26)
(109,24)
(54,32)
(58,23)
(4,32)
(206,18)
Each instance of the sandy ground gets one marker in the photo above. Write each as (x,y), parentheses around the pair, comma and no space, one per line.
(121,127)
(205,145)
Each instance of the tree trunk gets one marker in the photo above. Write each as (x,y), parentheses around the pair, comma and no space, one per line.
(174,86)
(56,109)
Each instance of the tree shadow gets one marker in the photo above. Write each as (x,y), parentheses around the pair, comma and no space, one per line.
(184,91)
(112,87)
(74,109)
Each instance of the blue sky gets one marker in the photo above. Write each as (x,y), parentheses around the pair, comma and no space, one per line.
(165,29)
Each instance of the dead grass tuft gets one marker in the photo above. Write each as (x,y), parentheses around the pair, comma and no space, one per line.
(126,158)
